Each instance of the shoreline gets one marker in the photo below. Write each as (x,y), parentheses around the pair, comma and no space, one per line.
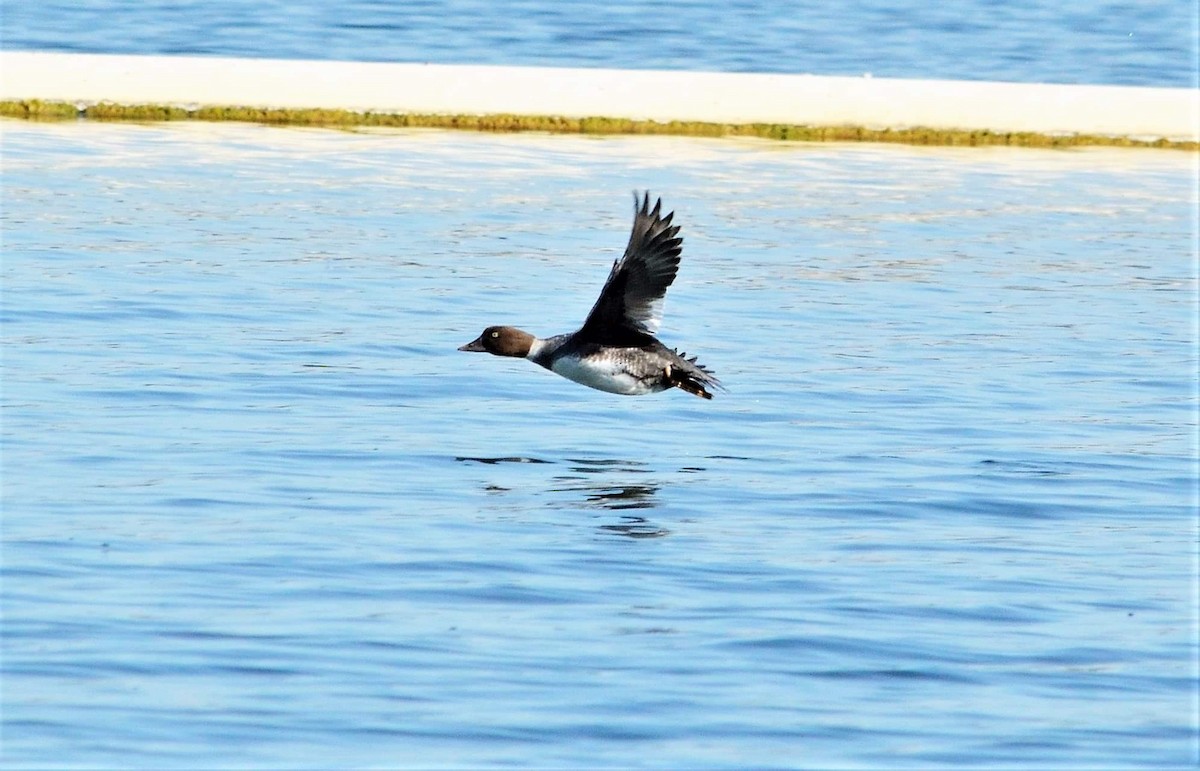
(55,86)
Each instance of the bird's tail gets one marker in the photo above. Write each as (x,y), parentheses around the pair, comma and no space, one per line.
(693,377)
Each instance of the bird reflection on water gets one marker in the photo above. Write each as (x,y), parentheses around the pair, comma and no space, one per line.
(597,483)
(593,478)
(635,527)
(590,477)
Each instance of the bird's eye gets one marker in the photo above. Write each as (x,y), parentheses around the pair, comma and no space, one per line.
(495,334)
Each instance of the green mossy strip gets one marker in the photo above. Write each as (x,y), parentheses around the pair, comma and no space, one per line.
(39,110)
(35,109)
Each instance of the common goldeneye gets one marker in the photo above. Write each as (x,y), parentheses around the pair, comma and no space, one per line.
(615,350)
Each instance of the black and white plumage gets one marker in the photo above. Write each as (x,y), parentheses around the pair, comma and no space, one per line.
(615,350)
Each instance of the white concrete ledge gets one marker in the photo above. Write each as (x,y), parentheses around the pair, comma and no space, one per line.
(730,98)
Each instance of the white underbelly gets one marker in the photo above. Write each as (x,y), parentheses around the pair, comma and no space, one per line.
(613,379)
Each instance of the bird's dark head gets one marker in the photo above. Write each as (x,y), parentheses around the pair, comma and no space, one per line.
(501,341)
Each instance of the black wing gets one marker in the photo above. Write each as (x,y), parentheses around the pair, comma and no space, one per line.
(632,297)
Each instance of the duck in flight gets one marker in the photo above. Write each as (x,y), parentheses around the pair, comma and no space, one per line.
(615,350)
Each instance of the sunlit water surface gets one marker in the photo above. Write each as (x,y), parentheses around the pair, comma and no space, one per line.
(1143,43)
(258,509)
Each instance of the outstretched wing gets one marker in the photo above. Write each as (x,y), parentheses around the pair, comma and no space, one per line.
(632,298)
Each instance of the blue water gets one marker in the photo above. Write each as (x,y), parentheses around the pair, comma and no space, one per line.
(1150,42)
(259,511)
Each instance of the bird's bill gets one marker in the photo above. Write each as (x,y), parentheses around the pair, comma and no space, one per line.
(474,345)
